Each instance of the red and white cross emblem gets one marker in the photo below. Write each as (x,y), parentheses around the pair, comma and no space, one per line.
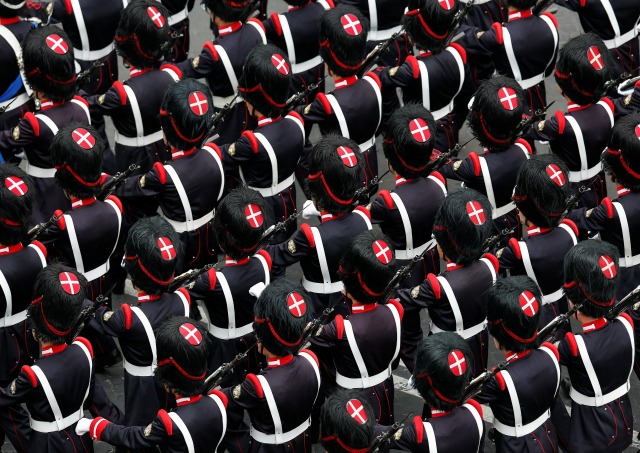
(57,44)
(556,174)
(457,362)
(351,24)
(508,98)
(476,213)
(357,412)
(166,248)
(638,131)
(198,103)
(446,4)
(156,16)
(254,215)
(296,304)
(528,303)
(69,283)
(191,334)
(595,58)
(280,63)
(347,156)
(83,138)
(607,266)
(420,130)
(382,251)
(16,185)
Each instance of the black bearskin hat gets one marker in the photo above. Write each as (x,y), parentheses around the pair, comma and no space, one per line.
(542,190)
(265,79)
(240,221)
(335,172)
(185,113)
(343,39)
(443,370)
(583,68)
(428,22)
(346,422)
(622,157)
(591,276)
(11,8)
(58,294)
(409,139)
(367,266)
(522,4)
(462,224)
(49,64)
(282,312)
(513,309)
(183,352)
(16,204)
(77,152)
(151,254)
(496,112)
(143,35)
(230,10)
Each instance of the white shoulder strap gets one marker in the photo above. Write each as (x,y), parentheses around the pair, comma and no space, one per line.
(526,261)
(288,38)
(223,414)
(337,111)
(624,228)
(73,241)
(185,303)
(511,55)
(424,81)
(455,308)
(398,323)
(553,358)
(479,423)
(570,232)
(322,257)
(513,395)
(492,269)
(588,366)
(582,148)
(273,408)
(149,331)
(182,194)
(82,28)
(373,15)
(488,186)
(186,435)
(17,50)
(228,67)
(219,162)
(607,108)
(299,124)
(376,90)
(6,290)
(135,110)
(314,365)
(260,30)
(43,259)
(228,298)
(119,216)
(611,15)
(440,183)
(355,350)
(265,267)
(364,217)
(84,107)
(273,160)
(406,221)
(431,437)
(48,121)
(172,73)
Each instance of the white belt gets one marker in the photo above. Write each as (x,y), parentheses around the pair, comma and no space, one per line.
(444,111)
(284,437)
(275,190)
(503,210)
(12,320)
(553,297)
(629,262)
(409,254)
(93,55)
(178,17)
(182,227)
(382,35)
(622,39)
(319,288)
(96,273)
(37,172)
(224,334)
(532,81)
(594,401)
(522,430)
(58,425)
(465,333)
(297,68)
(582,175)
(135,370)
(363,382)
(139,141)
(15,102)
(368,144)
(219,102)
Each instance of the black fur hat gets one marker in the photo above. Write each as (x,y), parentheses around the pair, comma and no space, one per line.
(343,39)
(185,113)
(346,422)
(49,64)
(409,139)
(16,204)
(428,22)
(522,4)
(58,294)
(240,221)
(591,276)
(496,112)
(513,309)
(335,172)
(367,266)
(462,224)
(622,157)
(151,254)
(542,189)
(143,35)
(183,352)
(443,370)
(77,152)
(265,79)
(11,8)
(583,68)
(230,10)
(281,314)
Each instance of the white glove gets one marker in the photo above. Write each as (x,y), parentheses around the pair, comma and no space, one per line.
(83,426)
(309,210)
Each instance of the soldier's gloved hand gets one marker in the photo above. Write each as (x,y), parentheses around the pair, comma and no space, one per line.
(83,426)
(309,210)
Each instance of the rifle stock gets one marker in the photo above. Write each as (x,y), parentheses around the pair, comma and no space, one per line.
(190,276)
(214,379)
(630,301)
(380,441)
(377,52)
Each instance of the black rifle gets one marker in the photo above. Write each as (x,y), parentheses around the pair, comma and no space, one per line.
(541,6)
(630,301)
(368,189)
(312,328)
(85,75)
(612,85)
(34,232)
(296,98)
(628,84)
(218,117)
(443,158)
(377,52)
(457,20)
(547,331)
(526,123)
(190,276)
(475,386)
(110,186)
(219,375)
(89,312)
(491,242)
(573,201)
(382,440)
(401,274)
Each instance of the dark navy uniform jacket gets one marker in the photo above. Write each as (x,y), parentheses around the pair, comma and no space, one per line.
(484,13)
(179,22)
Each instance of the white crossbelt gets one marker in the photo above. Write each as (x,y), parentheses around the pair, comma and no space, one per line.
(410,251)
(628,260)
(584,173)
(137,370)
(140,139)
(86,54)
(93,55)
(619,39)
(218,101)
(488,186)
(10,318)
(296,67)
(189,224)
(36,172)
(17,50)
(276,187)
(180,16)
(457,313)
(186,435)
(426,88)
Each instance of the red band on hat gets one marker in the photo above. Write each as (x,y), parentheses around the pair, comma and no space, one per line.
(397,154)
(320,175)
(77,177)
(573,82)
(416,12)
(500,141)
(337,60)
(268,98)
(182,371)
(58,332)
(275,334)
(571,284)
(512,334)
(344,446)
(149,274)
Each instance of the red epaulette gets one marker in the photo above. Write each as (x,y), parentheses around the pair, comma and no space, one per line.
(552,17)
(128,315)
(386,197)
(551,347)
(435,285)
(41,246)
(326,105)
(68,7)
(306,229)
(628,318)
(275,18)
(253,141)
(62,224)
(296,115)
(162,173)
(419,427)
(186,294)
(610,103)
(476,406)
(515,246)
(266,256)
(256,384)
(116,201)
(166,421)
(86,343)
(571,225)
(213,278)
(176,70)
(121,92)
(398,306)
(562,121)
(363,210)
(500,381)
(33,121)
(493,260)
(415,67)
(439,177)
(498,28)
(212,50)
(81,99)
(222,396)
(475,160)
(26,369)
(312,355)
(339,326)
(375,78)
(460,50)
(526,144)
(215,148)
(608,206)
(573,345)
(258,22)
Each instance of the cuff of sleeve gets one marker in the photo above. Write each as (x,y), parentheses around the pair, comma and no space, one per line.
(97,426)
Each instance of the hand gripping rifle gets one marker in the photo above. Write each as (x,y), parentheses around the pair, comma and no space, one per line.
(379,50)
(402,273)
(627,86)
(457,21)
(89,312)
(526,123)
(443,158)
(547,331)
(190,276)
(624,78)
(384,438)
(218,117)
(110,186)
(492,242)
(298,97)
(215,379)
(475,386)
(313,328)
(37,230)
(85,75)
(630,301)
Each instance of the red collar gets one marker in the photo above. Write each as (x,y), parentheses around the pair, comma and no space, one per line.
(230,262)
(279,361)
(293,8)
(77,202)
(516,15)
(9,249)
(54,349)
(144,297)
(511,357)
(356,309)
(453,266)
(534,231)
(424,53)
(435,413)
(341,83)
(135,72)
(46,104)
(178,153)
(326,216)
(622,191)
(263,120)
(231,28)
(594,325)
(576,107)
(400,180)
(187,400)
(7,21)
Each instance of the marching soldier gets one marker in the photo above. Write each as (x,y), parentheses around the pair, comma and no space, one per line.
(279,399)
(346,422)
(580,135)
(456,298)
(198,423)
(522,394)
(442,372)
(49,65)
(408,143)
(600,360)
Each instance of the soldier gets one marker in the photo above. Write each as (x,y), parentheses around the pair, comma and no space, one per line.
(456,298)
(279,400)
(346,422)
(580,135)
(335,167)
(150,260)
(408,143)
(179,22)
(441,375)
(59,386)
(198,423)
(523,393)
(49,66)
(600,360)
